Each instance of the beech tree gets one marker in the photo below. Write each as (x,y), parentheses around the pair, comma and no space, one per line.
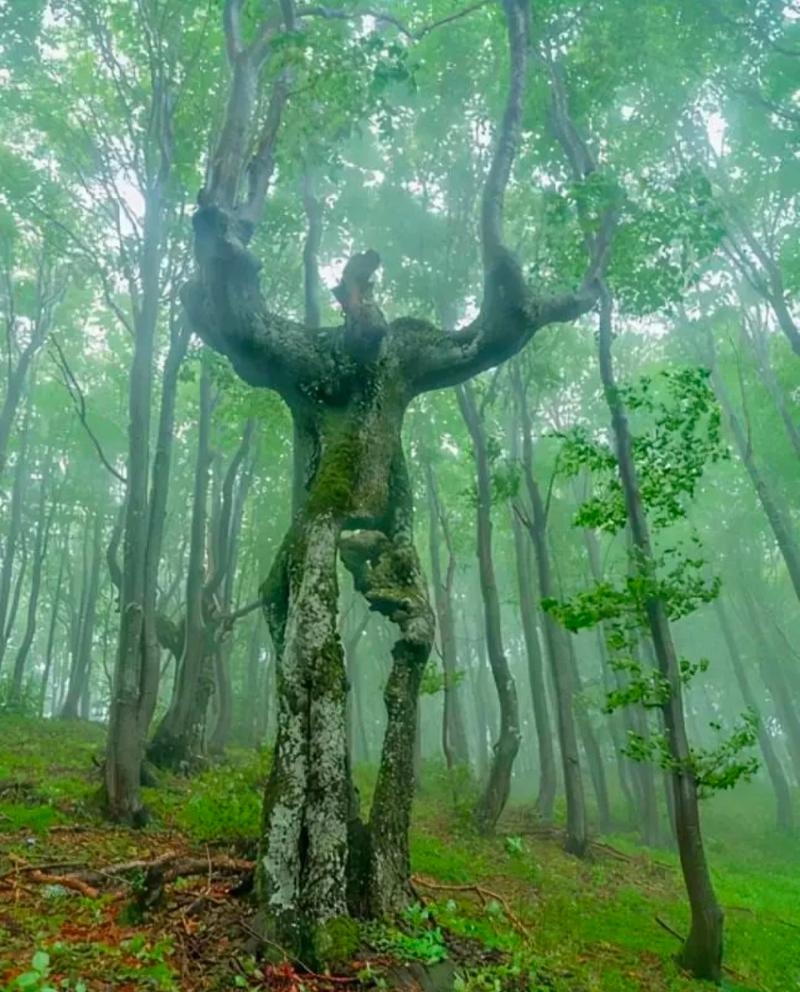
(347,389)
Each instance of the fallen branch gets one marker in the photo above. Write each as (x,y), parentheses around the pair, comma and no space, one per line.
(168,867)
(66,882)
(24,866)
(482,893)
(671,930)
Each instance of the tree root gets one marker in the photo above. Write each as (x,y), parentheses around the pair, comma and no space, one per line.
(482,893)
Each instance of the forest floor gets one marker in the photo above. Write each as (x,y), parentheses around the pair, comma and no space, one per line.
(509,913)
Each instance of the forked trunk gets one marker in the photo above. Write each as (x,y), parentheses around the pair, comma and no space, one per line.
(319,863)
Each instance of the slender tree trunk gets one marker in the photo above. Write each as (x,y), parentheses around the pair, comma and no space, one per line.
(179,739)
(498,785)
(454,736)
(43,522)
(577,835)
(221,733)
(137,666)
(82,667)
(773,678)
(51,633)
(702,951)
(780,785)
(157,506)
(13,533)
(633,776)
(781,528)
(594,757)
(528,613)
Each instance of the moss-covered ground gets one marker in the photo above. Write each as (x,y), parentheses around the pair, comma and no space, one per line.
(508,913)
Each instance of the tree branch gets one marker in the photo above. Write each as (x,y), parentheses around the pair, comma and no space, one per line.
(383,17)
(79,402)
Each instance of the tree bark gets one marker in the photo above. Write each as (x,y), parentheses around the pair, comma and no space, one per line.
(594,757)
(44,520)
(498,785)
(577,836)
(82,661)
(51,633)
(454,736)
(13,533)
(179,739)
(774,679)
(528,613)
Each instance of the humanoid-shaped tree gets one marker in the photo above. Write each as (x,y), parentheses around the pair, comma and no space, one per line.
(347,389)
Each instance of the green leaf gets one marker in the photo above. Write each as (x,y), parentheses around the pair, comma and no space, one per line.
(41,962)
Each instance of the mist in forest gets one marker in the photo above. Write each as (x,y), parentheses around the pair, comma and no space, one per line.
(399,540)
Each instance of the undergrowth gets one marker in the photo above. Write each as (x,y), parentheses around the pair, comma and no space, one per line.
(507,913)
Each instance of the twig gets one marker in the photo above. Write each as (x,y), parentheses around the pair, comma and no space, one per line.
(482,893)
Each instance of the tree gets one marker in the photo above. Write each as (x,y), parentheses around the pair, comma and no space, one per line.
(498,782)
(347,389)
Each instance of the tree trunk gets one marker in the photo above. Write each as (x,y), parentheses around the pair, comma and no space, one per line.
(594,757)
(781,528)
(780,786)
(13,533)
(528,613)
(82,662)
(51,633)
(454,736)
(702,951)
(773,678)
(137,665)
(498,785)
(634,777)
(577,836)
(178,742)
(43,522)
(221,733)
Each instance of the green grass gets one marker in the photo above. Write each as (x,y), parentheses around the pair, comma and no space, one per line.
(592,924)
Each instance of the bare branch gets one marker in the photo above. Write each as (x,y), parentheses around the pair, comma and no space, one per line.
(79,402)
